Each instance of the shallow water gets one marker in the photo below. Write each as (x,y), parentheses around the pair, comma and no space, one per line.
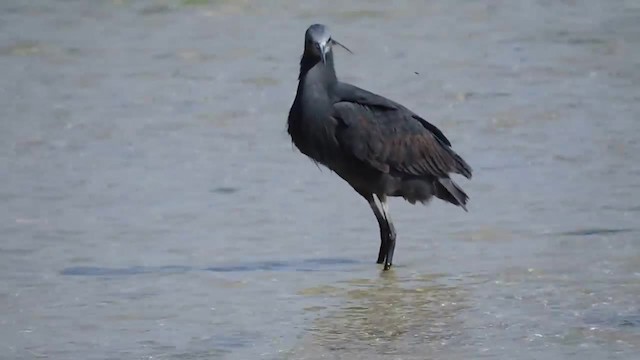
(153,206)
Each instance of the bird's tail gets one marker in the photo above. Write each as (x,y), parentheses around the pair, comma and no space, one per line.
(461,167)
(449,191)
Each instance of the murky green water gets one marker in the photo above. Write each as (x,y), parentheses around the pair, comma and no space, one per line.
(153,206)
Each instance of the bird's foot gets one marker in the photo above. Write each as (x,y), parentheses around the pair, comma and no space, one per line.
(387,267)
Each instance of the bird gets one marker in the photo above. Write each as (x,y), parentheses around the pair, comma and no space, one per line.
(378,146)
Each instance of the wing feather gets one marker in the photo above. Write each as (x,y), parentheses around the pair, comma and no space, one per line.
(395,140)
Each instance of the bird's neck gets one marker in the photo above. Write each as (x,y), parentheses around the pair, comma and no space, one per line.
(312,70)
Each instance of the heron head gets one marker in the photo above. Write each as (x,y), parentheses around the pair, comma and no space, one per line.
(318,42)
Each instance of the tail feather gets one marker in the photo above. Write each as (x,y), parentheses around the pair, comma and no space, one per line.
(462,167)
(449,191)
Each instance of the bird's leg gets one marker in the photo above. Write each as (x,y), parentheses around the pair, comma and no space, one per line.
(391,239)
(382,223)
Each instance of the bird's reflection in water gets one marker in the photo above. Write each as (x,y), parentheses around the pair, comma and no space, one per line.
(391,315)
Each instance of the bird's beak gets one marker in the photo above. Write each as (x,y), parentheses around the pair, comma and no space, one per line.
(333,42)
(326,47)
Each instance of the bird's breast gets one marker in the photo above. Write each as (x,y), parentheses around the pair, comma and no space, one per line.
(313,133)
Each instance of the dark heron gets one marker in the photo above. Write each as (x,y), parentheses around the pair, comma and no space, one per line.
(378,146)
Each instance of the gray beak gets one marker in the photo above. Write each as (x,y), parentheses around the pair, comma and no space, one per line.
(333,42)
(326,47)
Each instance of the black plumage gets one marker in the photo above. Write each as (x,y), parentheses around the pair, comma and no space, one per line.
(378,146)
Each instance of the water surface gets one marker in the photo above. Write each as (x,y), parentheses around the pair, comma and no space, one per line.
(153,206)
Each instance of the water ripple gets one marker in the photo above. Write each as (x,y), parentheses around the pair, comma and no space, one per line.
(318,264)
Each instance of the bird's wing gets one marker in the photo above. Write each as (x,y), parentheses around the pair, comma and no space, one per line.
(395,140)
(354,94)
